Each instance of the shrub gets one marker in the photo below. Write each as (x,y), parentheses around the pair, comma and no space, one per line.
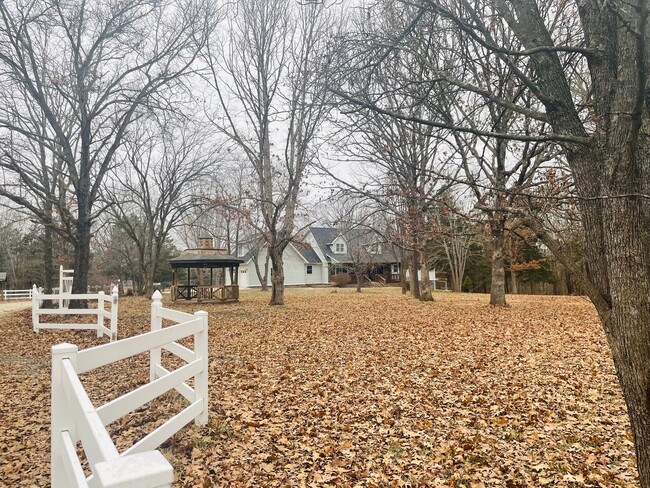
(341,280)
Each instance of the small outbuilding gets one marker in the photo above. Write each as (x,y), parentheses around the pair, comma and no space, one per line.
(200,274)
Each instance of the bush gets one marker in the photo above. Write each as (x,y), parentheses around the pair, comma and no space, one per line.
(341,280)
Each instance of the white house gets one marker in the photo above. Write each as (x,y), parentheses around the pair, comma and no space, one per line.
(302,266)
(324,252)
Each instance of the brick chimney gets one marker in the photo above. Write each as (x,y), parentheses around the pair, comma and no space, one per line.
(206,243)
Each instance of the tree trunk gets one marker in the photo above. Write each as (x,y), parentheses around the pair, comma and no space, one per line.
(148,281)
(498,284)
(425,285)
(402,274)
(513,282)
(263,278)
(413,278)
(456,280)
(81,261)
(626,320)
(48,259)
(359,281)
(277,277)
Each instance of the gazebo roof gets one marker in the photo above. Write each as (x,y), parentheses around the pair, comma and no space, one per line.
(205,261)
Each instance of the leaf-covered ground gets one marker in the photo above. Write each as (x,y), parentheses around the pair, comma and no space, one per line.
(344,389)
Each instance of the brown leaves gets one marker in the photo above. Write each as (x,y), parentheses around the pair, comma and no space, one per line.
(371,389)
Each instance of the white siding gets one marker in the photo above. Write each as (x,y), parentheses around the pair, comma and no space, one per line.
(432,274)
(295,270)
(324,275)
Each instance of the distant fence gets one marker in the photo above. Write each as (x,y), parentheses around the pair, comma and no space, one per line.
(74,417)
(17,294)
(66,277)
(100,312)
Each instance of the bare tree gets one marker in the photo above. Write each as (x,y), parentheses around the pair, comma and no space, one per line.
(454,235)
(91,69)
(156,186)
(589,82)
(406,165)
(273,96)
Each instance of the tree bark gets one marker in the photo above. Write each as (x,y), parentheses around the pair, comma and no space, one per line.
(277,277)
(81,262)
(498,284)
(359,281)
(48,259)
(513,282)
(402,274)
(413,278)
(425,283)
(263,278)
(626,320)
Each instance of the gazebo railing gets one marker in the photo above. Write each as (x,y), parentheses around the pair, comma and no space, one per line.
(205,292)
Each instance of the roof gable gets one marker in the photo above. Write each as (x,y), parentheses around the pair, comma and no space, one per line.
(324,236)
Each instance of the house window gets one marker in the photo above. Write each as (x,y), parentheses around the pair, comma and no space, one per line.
(309,269)
(340,247)
(394,268)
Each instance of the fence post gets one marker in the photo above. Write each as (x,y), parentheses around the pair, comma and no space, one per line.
(156,324)
(201,379)
(35,307)
(115,295)
(100,313)
(61,419)
(149,469)
(60,287)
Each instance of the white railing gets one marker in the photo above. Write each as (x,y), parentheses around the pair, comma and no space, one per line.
(74,417)
(17,294)
(66,277)
(100,312)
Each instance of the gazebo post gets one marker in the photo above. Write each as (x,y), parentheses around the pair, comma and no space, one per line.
(189,290)
(174,277)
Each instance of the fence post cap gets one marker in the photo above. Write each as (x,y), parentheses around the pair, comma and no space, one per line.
(201,313)
(157,296)
(142,469)
(34,287)
(64,348)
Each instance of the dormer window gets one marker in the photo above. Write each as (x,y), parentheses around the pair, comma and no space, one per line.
(340,248)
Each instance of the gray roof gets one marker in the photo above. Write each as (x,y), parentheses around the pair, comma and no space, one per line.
(307,252)
(325,236)
(359,235)
(205,261)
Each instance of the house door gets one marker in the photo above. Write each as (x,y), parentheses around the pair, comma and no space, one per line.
(310,274)
(243,278)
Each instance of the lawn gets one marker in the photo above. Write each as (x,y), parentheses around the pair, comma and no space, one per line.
(338,388)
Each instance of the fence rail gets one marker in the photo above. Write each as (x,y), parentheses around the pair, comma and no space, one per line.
(17,294)
(74,417)
(63,299)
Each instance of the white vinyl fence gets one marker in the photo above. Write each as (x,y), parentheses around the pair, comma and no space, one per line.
(66,277)
(17,294)
(75,418)
(100,313)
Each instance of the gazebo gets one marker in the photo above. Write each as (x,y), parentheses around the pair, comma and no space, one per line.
(210,281)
